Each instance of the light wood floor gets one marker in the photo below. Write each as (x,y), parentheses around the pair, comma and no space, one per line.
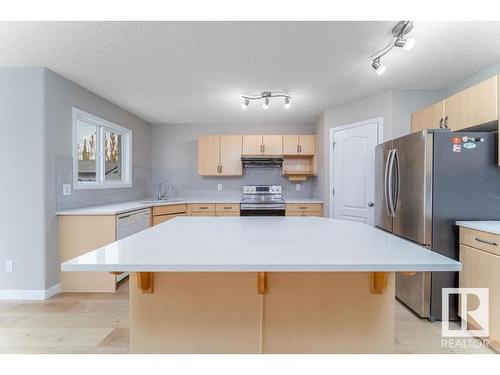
(98,323)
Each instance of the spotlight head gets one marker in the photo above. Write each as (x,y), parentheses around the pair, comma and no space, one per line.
(406,44)
(379,68)
(287,102)
(266,104)
(244,105)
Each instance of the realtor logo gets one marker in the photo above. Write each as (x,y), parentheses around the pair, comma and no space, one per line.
(475,299)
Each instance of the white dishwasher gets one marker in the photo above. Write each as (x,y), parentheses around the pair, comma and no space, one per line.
(129,223)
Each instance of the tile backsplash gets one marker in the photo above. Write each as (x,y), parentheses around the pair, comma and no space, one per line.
(141,188)
(187,184)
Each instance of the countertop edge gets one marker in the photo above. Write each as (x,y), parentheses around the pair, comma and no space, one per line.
(483,226)
(103,210)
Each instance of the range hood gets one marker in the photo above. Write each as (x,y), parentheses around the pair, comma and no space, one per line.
(262,162)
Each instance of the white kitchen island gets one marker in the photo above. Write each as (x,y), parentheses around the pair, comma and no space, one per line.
(261,284)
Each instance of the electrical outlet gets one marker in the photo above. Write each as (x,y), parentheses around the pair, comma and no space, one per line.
(219,187)
(9,266)
(66,189)
(297,187)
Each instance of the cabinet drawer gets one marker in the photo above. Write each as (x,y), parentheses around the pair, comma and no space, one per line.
(162,218)
(229,207)
(170,209)
(304,207)
(480,240)
(201,207)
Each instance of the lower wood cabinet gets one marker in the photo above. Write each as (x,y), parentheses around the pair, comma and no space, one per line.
(168,212)
(227,209)
(304,209)
(79,234)
(480,258)
(214,209)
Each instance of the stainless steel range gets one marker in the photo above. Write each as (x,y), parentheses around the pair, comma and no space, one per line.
(262,200)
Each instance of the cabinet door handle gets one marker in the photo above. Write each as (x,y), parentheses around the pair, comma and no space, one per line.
(303,208)
(221,169)
(446,122)
(263,148)
(297,149)
(441,123)
(300,148)
(486,242)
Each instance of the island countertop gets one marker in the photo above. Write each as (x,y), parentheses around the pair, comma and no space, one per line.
(265,244)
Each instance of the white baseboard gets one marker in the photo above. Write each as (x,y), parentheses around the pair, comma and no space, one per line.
(30,295)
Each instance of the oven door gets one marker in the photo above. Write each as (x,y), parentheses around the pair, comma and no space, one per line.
(262,209)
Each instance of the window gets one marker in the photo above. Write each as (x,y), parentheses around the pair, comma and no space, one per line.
(102,153)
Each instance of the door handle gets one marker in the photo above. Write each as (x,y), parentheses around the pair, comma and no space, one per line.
(371,204)
(446,122)
(387,192)
(486,242)
(441,123)
(396,190)
(390,191)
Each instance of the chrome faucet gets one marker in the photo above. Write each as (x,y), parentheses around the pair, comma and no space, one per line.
(161,195)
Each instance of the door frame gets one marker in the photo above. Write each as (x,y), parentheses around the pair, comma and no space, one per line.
(331,165)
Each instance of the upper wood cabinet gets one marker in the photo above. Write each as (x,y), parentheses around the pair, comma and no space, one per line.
(473,106)
(430,117)
(299,144)
(220,155)
(262,145)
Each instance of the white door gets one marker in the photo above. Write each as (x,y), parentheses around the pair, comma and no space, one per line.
(353,172)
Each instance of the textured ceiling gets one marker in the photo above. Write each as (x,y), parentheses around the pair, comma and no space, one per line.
(195,72)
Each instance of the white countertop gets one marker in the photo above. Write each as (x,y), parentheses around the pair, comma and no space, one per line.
(485,226)
(119,208)
(241,244)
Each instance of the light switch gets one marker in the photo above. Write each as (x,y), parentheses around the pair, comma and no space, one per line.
(219,187)
(297,187)
(66,189)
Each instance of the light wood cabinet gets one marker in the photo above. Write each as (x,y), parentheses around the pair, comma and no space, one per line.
(230,155)
(162,218)
(168,212)
(262,145)
(304,209)
(201,209)
(299,145)
(430,117)
(220,155)
(473,106)
(227,209)
(481,269)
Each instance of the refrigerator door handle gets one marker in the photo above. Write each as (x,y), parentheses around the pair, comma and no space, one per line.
(390,179)
(396,190)
(386,187)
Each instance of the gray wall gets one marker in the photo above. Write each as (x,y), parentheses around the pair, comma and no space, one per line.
(61,96)
(22,194)
(35,117)
(174,155)
(395,107)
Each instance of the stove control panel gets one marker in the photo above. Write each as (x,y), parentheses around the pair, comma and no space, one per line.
(262,189)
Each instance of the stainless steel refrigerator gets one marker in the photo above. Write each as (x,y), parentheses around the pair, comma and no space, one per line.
(425,181)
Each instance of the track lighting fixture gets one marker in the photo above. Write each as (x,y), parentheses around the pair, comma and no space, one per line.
(399,32)
(379,68)
(266,104)
(266,96)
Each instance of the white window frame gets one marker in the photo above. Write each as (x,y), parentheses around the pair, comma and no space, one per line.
(102,125)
